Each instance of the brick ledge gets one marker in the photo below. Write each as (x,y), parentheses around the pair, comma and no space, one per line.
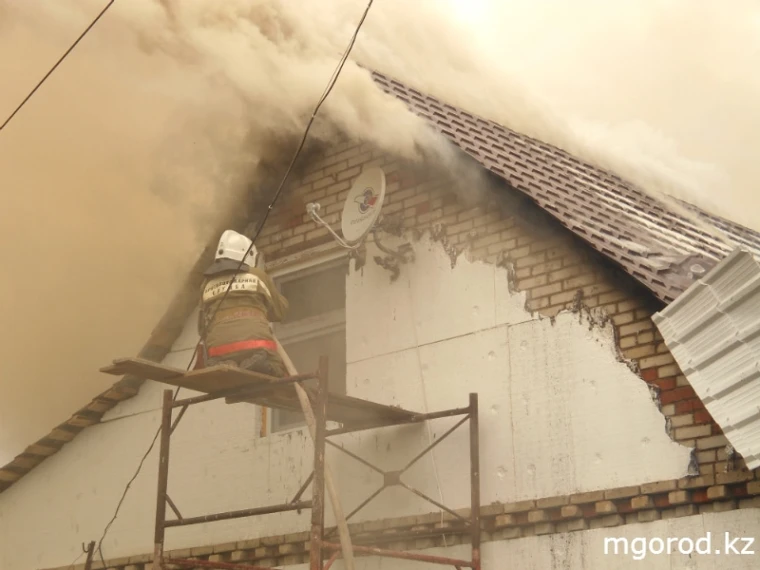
(501,521)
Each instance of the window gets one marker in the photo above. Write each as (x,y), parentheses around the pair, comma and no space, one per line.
(314,326)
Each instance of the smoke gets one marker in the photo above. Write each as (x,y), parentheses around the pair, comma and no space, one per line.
(168,112)
(662,93)
(110,190)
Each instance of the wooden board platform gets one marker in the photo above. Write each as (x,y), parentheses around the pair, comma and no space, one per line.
(221,379)
(208,380)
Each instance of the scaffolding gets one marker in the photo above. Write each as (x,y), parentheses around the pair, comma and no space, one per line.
(353,414)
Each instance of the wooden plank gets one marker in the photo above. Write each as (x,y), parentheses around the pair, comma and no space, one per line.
(381,410)
(208,380)
(277,399)
(341,409)
(217,378)
(142,368)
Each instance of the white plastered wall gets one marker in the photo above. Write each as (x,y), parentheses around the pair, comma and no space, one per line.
(559,414)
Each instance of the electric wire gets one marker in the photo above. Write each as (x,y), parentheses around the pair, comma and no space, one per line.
(73,562)
(277,193)
(5,124)
(296,154)
(59,62)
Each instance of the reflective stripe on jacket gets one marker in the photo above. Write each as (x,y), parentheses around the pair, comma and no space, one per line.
(244,313)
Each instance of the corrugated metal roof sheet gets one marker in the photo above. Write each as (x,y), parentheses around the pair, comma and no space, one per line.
(713,332)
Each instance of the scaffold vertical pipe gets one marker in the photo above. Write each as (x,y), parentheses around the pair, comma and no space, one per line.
(316,557)
(475,480)
(163,479)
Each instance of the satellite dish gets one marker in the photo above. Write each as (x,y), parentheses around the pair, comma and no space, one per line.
(363,204)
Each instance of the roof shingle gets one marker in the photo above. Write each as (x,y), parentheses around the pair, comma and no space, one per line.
(661,248)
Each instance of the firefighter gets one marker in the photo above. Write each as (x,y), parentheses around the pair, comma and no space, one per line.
(235,328)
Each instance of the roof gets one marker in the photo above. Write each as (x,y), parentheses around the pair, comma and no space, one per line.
(49,445)
(653,243)
(713,332)
(646,236)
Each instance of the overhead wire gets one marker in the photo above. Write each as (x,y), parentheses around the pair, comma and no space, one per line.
(57,63)
(328,89)
(77,559)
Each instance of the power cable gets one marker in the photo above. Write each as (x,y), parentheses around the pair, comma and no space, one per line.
(57,63)
(126,490)
(73,562)
(277,193)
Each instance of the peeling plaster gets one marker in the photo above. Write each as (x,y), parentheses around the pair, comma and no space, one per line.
(452,299)
(438,234)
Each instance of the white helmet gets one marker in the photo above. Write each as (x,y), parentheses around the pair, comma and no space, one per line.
(234,246)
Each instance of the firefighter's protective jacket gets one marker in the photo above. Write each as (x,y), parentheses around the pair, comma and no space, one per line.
(243,314)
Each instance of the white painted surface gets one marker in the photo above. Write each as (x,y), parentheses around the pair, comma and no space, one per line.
(582,421)
(447,303)
(559,414)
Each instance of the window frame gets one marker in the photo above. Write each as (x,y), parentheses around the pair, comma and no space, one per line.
(309,328)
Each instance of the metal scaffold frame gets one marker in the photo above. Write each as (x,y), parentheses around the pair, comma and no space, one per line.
(322,552)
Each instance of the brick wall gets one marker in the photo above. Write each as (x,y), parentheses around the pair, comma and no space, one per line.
(554,268)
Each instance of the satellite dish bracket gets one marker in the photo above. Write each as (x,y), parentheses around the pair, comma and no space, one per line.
(361,216)
(404,253)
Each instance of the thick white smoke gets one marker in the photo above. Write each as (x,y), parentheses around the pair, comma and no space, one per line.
(138,145)
(663,93)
